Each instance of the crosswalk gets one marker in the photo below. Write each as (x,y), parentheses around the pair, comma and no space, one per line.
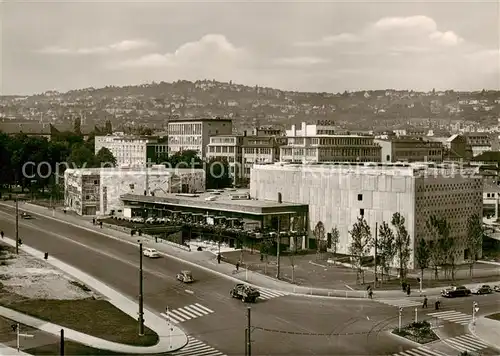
(466,342)
(403,303)
(420,351)
(188,312)
(453,317)
(195,347)
(266,294)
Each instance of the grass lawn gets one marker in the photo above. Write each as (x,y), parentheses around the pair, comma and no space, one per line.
(98,318)
(70,348)
(495,316)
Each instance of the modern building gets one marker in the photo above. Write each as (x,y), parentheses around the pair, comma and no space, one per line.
(267,131)
(410,149)
(337,194)
(480,142)
(456,147)
(491,198)
(319,143)
(97,191)
(228,148)
(259,150)
(195,134)
(130,149)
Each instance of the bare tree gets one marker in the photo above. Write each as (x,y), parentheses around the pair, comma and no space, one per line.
(335,240)
(319,234)
(361,244)
(422,256)
(475,232)
(402,241)
(386,248)
(291,257)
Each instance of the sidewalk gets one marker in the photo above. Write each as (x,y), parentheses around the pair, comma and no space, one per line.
(207,261)
(9,351)
(170,338)
(487,330)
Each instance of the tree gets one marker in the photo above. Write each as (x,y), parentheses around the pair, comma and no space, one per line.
(422,256)
(386,248)
(265,250)
(361,245)
(184,159)
(218,174)
(440,227)
(77,126)
(291,257)
(335,240)
(81,156)
(108,128)
(319,234)
(104,158)
(402,242)
(475,232)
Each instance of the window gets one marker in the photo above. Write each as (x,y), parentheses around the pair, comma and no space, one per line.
(360,197)
(388,158)
(87,197)
(362,212)
(131,186)
(95,181)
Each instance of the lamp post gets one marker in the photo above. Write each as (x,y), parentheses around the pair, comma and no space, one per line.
(141,293)
(278,251)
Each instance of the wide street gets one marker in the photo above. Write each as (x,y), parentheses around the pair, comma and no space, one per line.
(282,324)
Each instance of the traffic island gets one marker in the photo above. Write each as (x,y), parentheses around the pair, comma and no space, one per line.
(33,287)
(419,332)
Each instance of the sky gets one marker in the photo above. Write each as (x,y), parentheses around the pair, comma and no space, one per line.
(290,45)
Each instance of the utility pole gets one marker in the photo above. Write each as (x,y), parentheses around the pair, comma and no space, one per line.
(141,294)
(278,251)
(249,333)
(416,315)
(61,348)
(376,241)
(399,323)
(475,309)
(17,225)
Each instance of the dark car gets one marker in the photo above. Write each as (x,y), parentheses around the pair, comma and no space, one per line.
(458,291)
(26,216)
(484,289)
(496,288)
(245,293)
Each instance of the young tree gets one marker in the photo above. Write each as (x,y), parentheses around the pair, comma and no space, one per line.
(291,257)
(402,242)
(422,256)
(386,248)
(439,246)
(361,244)
(475,232)
(335,240)
(319,234)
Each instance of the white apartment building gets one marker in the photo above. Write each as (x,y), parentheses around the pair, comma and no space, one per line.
(195,134)
(318,143)
(227,147)
(98,191)
(129,149)
(337,194)
(259,150)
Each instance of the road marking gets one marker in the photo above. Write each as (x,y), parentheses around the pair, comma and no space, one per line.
(188,291)
(453,317)
(195,347)
(317,264)
(188,312)
(400,302)
(268,294)
(420,351)
(466,342)
(351,288)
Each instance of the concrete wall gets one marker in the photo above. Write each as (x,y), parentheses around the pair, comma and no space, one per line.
(333,196)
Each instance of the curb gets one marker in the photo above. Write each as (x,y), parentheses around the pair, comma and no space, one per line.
(405,340)
(471,328)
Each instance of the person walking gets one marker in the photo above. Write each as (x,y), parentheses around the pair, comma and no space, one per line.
(424,305)
(218,258)
(408,290)
(237,266)
(1,234)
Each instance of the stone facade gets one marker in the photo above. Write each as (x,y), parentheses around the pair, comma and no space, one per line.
(338,194)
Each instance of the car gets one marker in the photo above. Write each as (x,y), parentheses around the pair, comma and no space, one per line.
(185,277)
(151,253)
(496,288)
(245,293)
(458,291)
(484,289)
(26,216)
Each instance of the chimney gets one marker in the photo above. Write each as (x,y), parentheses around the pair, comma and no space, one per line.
(280,199)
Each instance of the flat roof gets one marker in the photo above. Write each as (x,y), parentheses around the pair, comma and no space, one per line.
(222,202)
(197,120)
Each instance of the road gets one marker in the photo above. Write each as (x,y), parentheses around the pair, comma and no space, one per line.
(282,325)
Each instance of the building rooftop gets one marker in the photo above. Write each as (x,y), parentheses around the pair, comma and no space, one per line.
(372,168)
(132,169)
(219,200)
(217,119)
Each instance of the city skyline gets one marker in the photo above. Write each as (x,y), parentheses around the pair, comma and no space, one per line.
(319,47)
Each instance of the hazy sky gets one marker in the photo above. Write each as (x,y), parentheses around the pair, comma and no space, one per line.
(307,46)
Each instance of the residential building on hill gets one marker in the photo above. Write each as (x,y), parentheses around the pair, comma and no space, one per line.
(195,134)
(338,193)
(480,142)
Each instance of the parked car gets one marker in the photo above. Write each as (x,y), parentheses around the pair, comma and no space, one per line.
(496,288)
(484,289)
(245,293)
(151,253)
(185,277)
(26,216)
(458,291)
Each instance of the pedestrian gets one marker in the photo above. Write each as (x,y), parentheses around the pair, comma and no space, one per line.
(370,293)
(425,302)
(437,304)
(1,234)
(403,286)
(100,224)
(408,290)
(237,266)
(219,258)
(93,221)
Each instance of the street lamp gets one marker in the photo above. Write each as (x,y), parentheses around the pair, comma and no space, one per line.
(475,309)
(141,293)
